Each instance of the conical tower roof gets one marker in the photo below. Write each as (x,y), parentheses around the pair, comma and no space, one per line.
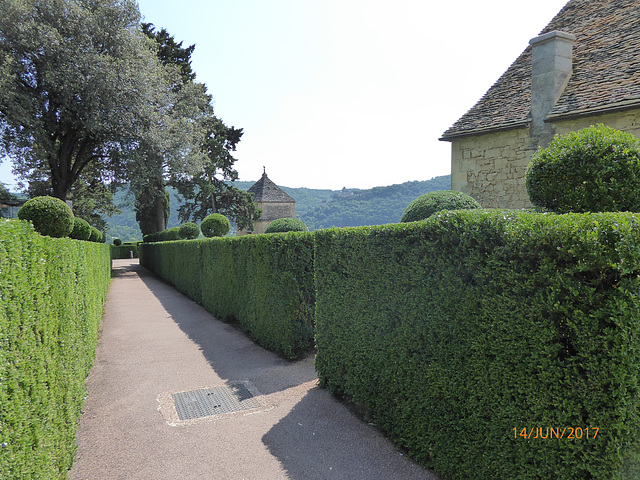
(264,190)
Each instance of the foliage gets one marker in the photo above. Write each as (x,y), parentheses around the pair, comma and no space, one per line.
(84,71)
(117,242)
(426,205)
(264,282)
(455,331)
(376,206)
(317,208)
(282,225)
(154,160)
(81,229)
(168,235)
(95,235)
(215,225)
(596,169)
(189,231)
(125,250)
(153,214)
(53,292)
(210,190)
(50,216)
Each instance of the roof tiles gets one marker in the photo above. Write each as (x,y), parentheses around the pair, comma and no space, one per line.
(606,69)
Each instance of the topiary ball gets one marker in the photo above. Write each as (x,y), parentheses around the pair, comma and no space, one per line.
(189,231)
(81,229)
(596,169)
(286,225)
(117,242)
(96,235)
(426,205)
(215,225)
(50,216)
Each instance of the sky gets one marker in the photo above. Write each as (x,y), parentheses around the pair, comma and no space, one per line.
(346,93)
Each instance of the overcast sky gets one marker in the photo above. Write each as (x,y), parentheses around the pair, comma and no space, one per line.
(346,93)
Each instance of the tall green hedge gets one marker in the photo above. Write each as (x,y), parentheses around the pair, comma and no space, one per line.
(459,332)
(264,282)
(52,292)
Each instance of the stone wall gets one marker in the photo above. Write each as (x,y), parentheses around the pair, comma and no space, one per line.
(491,167)
(271,212)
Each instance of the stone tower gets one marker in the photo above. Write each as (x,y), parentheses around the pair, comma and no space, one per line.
(273,202)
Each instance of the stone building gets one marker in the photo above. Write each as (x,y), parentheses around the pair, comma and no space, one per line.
(273,201)
(583,69)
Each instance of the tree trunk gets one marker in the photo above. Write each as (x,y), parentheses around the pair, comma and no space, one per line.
(158,209)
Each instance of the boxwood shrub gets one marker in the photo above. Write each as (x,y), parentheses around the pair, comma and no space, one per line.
(282,225)
(457,333)
(189,231)
(50,216)
(52,291)
(263,282)
(215,225)
(81,229)
(426,205)
(596,169)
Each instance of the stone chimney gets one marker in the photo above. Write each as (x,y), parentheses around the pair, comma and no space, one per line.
(551,69)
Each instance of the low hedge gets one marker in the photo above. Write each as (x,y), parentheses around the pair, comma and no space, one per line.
(52,292)
(457,333)
(264,282)
(124,250)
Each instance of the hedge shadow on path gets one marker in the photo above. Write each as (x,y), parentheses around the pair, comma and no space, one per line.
(321,439)
(232,354)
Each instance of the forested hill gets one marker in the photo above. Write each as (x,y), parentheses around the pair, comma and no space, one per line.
(354,207)
(376,206)
(316,208)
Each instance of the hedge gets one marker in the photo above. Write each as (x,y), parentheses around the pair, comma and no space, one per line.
(263,282)
(52,292)
(125,250)
(457,333)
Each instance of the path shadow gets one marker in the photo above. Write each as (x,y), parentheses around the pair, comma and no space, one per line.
(321,439)
(228,350)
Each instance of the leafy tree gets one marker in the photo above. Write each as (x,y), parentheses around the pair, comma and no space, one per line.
(182,133)
(79,86)
(209,190)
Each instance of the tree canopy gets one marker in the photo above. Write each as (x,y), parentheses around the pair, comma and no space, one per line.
(79,85)
(90,99)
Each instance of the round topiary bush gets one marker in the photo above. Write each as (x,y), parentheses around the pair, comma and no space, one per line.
(286,225)
(81,229)
(50,216)
(215,225)
(117,242)
(426,205)
(96,235)
(189,231)
(596,169)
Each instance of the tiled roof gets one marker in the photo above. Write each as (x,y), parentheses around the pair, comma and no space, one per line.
(264,190)
(606,69)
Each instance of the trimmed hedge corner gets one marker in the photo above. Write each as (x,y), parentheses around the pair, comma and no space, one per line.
(459,332)
(52,291)
(264,282)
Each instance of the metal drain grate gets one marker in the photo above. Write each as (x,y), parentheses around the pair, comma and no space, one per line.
(213,401)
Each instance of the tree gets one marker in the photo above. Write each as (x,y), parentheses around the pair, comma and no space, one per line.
(181,134)
(79,86)
(209,190)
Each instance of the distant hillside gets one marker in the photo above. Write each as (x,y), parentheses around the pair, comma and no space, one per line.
(316,208)
(375,206)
